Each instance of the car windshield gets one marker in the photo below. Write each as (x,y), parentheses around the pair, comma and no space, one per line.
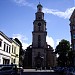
(5,68)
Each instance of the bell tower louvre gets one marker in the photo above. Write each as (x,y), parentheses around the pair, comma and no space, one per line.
(40,53)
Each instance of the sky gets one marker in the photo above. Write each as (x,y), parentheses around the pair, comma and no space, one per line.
(17,16)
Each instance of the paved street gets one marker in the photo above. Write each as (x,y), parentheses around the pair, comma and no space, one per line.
(39,72)
(34,70)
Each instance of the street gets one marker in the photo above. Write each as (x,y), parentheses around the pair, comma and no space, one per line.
(39,72)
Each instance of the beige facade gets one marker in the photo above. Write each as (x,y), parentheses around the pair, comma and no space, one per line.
(15,52)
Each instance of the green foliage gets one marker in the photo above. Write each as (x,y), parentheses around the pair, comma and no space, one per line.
(63,48)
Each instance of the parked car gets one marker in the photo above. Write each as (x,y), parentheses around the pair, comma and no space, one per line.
(8,69)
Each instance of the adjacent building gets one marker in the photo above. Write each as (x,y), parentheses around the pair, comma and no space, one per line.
(9,50)
(72,31)
(15,52)
(5,49)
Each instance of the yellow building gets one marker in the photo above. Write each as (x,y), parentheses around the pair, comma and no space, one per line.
(15,53)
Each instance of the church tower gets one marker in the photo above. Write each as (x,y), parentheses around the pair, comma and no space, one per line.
(72,30)
(39,53)
(39,38)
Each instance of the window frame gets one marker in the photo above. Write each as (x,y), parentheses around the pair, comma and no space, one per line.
(0,42)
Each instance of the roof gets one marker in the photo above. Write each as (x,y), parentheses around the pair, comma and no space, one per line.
(2,34)
(14,41)
(73,15)
(39,5)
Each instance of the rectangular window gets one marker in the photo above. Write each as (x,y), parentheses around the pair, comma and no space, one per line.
(0,43)
(74,46)
(73,36)
(11,60)
(73,27)
(12,48)
(14,60)
(4,46)
(39,41)
(9,48)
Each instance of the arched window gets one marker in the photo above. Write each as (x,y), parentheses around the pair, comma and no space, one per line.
(39,41)
(39,26)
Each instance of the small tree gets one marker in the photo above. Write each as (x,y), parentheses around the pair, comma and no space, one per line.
(62,49)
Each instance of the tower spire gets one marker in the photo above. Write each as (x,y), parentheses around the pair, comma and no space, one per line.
(39,7)
(39,2)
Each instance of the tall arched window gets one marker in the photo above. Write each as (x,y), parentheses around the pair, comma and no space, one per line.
(39,26)
(39,41)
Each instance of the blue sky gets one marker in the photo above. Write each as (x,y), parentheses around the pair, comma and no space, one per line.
(17,16)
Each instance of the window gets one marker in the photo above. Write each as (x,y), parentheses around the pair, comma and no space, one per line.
(4,46)
(39,17)
(73,27)
(39,37)
(39,41)
(73,36)
(9,48)
(0,43)
(39,26)
(14,60)
(12,48)
(74,19)
(39,9)
(11,60)
(74,46)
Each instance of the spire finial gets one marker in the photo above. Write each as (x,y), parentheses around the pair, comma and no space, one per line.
(39,2)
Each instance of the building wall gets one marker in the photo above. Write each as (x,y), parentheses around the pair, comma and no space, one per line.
(5,54)
(35,53)
(72,30)
(15,52)
(9,50)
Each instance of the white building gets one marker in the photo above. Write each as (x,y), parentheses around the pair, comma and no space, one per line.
(5,48)
(15,52)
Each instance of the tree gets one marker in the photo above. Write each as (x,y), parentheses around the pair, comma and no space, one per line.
(62,49)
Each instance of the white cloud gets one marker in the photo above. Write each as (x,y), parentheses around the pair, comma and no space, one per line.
(22,39)
(65,14)
(24,3)
(50,41)
(57,41)
(25,45)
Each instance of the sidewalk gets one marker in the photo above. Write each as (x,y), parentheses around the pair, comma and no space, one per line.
(34,70)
